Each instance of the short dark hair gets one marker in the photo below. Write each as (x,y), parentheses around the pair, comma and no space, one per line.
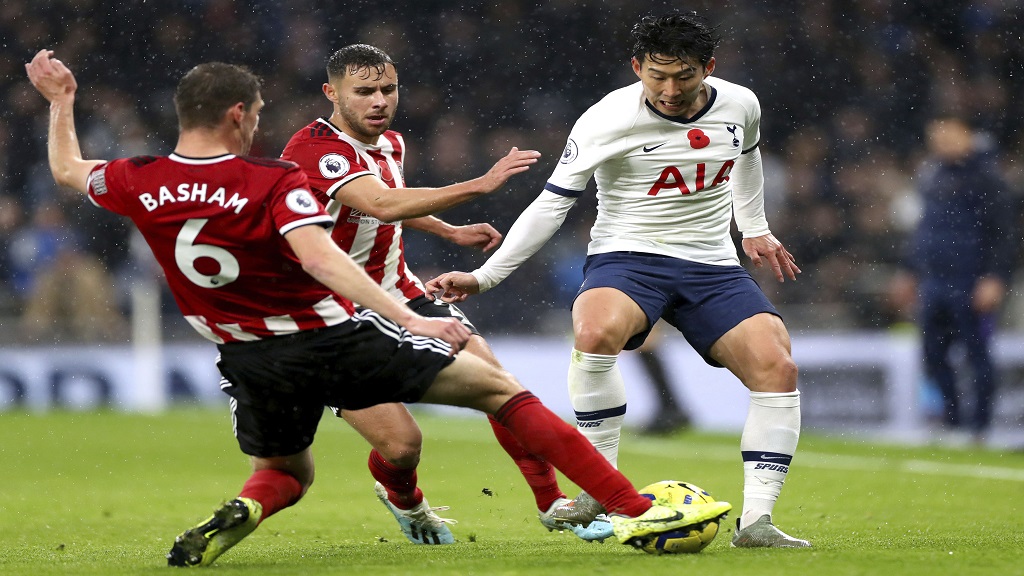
(355,57)
(678,35)
(209,89)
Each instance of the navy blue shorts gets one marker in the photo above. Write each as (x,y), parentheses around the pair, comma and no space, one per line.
(702,301)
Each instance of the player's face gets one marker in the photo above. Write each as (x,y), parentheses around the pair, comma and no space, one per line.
(250,124)
(672,88)
(365,101)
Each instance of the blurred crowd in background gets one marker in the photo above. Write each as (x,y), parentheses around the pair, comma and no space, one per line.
(845,88)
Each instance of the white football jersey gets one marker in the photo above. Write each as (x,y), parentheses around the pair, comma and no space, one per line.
(663,183)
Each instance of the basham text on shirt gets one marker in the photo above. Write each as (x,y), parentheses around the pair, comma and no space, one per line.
(195,192)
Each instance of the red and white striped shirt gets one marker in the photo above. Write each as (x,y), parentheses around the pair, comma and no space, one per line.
(217,226)
(332,159)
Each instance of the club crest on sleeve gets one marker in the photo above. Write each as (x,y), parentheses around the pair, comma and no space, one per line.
(570,153)
(333,165)
(302,202)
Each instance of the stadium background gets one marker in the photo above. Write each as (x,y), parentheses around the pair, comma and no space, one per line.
(845,86)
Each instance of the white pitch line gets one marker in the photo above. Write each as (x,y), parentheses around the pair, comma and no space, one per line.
(968,470)
(825,460)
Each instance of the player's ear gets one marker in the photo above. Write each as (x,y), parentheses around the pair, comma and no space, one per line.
(636,66)
(236,113)
(330,92)
(710,67)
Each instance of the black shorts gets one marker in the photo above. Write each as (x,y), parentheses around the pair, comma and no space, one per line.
(440,309)
(279,386)
(432,309)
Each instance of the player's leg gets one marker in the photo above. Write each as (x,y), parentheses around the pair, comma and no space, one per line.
(274,416)
(603,320)
(397,441)
(728,320)
(537,472)
(405,368)
(539,475)
(276,483)
(472,383)
(757,351)
(615,309)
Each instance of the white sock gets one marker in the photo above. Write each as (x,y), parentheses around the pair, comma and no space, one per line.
(769,440)
(598,396)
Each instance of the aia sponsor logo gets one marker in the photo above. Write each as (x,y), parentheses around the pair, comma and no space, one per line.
(672,178)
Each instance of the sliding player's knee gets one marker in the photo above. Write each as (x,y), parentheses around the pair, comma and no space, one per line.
(403,454)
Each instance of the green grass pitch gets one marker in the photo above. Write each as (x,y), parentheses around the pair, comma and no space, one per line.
(105,493)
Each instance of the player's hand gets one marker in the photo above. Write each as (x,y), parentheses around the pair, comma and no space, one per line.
(51,77)
(514,162)
(448,329)
(452,286)
(482,236)
(761,248)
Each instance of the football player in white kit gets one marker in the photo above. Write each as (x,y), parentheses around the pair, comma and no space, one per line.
(675,159)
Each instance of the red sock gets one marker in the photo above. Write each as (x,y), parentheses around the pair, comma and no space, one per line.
(543,433)
(399,482)
(539,474)
(275,490)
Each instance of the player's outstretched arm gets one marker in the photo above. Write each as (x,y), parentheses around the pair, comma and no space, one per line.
(322,259)
(57,84)
(767,247)
(514,162)
(481,235)
(373,197)
(534,227)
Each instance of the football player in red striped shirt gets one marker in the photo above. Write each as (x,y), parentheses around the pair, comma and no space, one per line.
(354,163)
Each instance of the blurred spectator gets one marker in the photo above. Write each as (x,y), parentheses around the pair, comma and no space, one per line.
(66,291)
(12,218)
(963,255)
